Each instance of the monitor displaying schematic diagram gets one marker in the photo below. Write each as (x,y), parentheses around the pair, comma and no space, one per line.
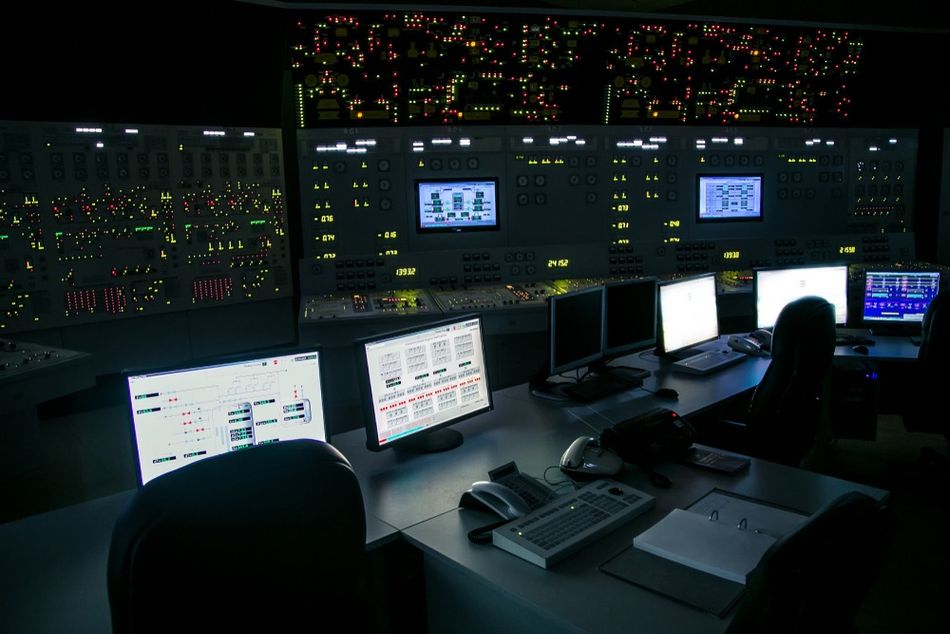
(729,197)
(423,378)
(454,205)
(184,415)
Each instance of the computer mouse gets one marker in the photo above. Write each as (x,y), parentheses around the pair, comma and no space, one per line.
(667,392)
(860,349)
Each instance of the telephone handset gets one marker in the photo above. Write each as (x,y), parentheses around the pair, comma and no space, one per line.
(499,498)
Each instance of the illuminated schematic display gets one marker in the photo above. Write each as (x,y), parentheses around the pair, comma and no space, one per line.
(433,68)
(106,221)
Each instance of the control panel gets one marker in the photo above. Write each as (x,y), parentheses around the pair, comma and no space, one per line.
(362,67)
(587,201)
(394,303)
(99,222)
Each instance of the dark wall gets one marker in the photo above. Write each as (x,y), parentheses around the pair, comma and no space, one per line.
(176,62)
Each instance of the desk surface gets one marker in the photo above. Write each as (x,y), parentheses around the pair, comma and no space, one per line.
(53,565)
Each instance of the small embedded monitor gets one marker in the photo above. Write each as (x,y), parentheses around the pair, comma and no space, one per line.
(576,329)
(688,314)
(184,415)
(729,197)
(898,297)
(630,316)
(416,382)
(775,288)
(457,205)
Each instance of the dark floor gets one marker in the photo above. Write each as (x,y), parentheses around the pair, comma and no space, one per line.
(66,459)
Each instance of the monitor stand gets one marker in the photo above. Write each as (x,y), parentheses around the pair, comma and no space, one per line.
(433,441)
(621,372)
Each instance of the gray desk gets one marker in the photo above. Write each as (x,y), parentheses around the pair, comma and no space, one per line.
(52,566)
(473,588)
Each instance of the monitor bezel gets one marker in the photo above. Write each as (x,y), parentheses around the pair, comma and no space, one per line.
(847,278)
(552,334)
(894,322)
(619,351)
(366,394)
(661,348)
(436,230)
(211,362)
(759,218)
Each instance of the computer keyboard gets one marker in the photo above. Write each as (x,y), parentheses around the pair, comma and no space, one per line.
(843,339)
(570,522)
(597,387)
(707,362)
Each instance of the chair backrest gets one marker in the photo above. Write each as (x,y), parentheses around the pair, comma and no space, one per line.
(784,411)
(923,407)
(814,580)
(935,337)
(252,540)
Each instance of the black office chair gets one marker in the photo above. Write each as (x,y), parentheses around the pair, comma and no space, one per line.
(815,579)
(925,410)
(785,412)
(262,539)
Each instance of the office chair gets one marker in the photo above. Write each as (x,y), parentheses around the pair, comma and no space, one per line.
(785,412)
(262,539)
(924,410)
(814,580)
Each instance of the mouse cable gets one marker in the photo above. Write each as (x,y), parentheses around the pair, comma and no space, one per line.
(560,483)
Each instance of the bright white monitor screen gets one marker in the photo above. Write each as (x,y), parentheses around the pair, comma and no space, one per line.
(426,378)
(776,289)
(730,198)
(457,205)
(182,416)
(688,312)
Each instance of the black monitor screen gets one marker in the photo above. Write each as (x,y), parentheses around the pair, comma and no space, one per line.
(576,321)
(455,205)
(422,378)
(630,316)
(899,296)
(732,197)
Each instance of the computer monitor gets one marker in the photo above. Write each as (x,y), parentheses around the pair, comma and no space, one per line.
(776,288)
(893,297)
(725,197)
(183,415)
(417,381)
(688,314)
(630,316)
(576,329)
(456,205)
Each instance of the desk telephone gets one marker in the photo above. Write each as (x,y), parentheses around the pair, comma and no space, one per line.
(509,493)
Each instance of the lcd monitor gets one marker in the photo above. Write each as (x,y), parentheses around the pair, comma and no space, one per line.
(630,315)
(776,288)
(576,329)
(898,297)
(183,415)
(729,197)
(457,205)
(688,314)
(416,382)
